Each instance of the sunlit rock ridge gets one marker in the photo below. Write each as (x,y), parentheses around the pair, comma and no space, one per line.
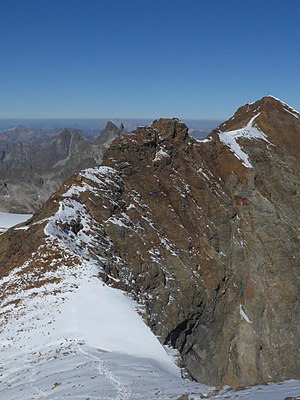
(203,235)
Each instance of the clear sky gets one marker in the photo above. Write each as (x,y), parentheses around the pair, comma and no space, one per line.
(146,58)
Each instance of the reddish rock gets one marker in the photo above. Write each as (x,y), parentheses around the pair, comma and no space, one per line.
(208,245)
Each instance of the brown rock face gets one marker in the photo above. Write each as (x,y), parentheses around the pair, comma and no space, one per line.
(208,245)
(225,293)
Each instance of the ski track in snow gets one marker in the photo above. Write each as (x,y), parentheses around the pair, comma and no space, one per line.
(123,390)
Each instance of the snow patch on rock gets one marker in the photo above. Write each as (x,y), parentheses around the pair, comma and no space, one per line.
(244,315)
(230,138)
(160,154)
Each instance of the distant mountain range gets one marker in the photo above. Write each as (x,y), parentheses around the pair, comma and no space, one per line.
(34,163)
(92,127)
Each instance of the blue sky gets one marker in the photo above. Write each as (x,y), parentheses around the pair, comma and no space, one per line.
(146,59)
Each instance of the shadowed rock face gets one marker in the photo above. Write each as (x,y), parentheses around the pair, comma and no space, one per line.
(208,245)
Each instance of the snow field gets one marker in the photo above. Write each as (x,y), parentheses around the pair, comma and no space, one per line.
(7,220)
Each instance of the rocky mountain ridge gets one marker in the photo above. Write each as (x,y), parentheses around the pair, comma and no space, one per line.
(204,235)
(23,134)
(236,229)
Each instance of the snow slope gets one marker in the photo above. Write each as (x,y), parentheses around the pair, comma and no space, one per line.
(8,220)
(248,132)
(86,343)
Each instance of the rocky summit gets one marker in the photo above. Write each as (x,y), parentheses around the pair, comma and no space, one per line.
(202,234)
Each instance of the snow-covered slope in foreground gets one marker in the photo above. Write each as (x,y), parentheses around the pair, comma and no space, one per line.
(89,343)
(64,334)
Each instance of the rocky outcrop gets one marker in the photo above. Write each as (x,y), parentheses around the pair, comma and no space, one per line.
(204,234)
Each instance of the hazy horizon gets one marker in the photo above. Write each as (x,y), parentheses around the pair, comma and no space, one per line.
(92,126)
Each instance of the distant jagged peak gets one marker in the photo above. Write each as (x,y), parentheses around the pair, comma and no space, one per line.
(71,133)
(66,132)
(111,125)
(69,137)
(109,133)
